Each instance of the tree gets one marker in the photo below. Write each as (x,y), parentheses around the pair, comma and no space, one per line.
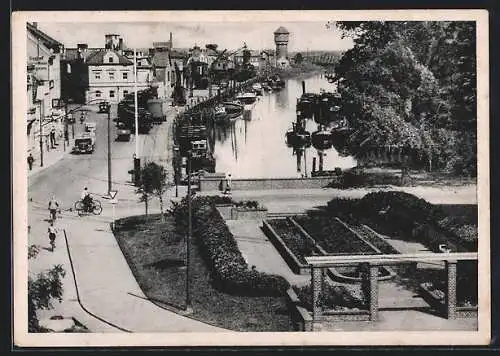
(411,85)
(246,57)
(153,181)
(298,58)
(46,287)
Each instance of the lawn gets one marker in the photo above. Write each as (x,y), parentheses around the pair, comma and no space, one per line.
(155,252)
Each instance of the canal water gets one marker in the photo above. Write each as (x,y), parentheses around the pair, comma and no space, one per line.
(255,147)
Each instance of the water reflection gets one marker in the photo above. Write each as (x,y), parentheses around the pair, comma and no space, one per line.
(254,146)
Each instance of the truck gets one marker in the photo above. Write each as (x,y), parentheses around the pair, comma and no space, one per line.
(84,143)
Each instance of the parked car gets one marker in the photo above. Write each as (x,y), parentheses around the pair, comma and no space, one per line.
(103,107)
(122,132)
(85,143)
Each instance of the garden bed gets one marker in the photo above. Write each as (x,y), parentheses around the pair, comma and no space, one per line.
(155,254)
(245,210)
(403,216)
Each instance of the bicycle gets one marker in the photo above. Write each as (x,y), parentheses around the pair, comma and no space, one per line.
(95,207)
(53,214)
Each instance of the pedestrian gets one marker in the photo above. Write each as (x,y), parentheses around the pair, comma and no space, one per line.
(52,137)
(228,184)
(30,161)
(52,236)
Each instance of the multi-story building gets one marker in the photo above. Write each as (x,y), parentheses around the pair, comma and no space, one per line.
(94,74)
(43,81)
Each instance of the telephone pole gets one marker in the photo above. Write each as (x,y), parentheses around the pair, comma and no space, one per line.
(109,148)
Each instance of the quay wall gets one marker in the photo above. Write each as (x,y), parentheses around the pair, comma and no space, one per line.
(218,183)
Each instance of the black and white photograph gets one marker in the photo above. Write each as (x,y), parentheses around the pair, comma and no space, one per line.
(190,178)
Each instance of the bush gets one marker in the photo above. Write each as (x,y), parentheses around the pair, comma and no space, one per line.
(219,248)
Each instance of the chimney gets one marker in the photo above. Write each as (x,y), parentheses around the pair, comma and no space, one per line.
(35,24)
(120,44)
(171,41)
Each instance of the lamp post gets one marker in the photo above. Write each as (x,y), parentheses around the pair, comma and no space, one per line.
(188,238)
(176,170)
(109,147)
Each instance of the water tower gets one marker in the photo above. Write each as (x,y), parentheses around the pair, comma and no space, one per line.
(281,36)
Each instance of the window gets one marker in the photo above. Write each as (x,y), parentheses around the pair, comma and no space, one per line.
(125,75)
(111,75)
(110,60)
(98,94)
(125,92)
(68,68)
(111,93)
(97,75)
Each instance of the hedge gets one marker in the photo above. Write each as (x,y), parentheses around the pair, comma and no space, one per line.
(230,272)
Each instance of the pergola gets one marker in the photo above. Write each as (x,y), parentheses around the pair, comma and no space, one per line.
(372,264)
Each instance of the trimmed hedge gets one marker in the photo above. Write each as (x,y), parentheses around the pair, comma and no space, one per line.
(403,215)
(219,248)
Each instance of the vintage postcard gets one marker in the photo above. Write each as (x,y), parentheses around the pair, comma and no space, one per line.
(256,178)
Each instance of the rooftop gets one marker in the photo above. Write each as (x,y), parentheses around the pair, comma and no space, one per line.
(281,30)
(97,58)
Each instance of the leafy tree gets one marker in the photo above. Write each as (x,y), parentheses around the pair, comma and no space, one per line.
(412,85)
(42,290)
(246,56)
(298,58)
(153,181)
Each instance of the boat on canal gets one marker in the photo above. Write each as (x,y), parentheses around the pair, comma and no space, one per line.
(275,82)
(321,139)
(327,108)
(257,89)
(306,105)
(298,137)
(247,100)
(233,110)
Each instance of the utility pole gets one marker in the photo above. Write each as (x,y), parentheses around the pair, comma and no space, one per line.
(137,160)
(188,237)
(109,149)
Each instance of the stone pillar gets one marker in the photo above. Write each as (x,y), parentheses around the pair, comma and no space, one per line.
(316,284)
(451,292)
(373,280)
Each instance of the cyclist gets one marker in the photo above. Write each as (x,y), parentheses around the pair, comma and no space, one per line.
(86,200)
(53,206)
(52,235)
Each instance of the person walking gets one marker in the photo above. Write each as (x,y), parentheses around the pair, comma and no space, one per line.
(30,161)
(52,136)
(52,236)
(228,184)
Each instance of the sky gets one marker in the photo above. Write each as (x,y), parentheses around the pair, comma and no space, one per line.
(257,35)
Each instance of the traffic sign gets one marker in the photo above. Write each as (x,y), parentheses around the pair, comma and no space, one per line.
(112,193)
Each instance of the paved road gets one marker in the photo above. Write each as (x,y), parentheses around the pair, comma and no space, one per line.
(105,283)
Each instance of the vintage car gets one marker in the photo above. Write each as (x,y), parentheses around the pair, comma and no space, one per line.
(122,132)
(84,143)
(103,107)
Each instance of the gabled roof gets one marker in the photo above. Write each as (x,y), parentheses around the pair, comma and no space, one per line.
(97,58)
(71,54)
(46,39)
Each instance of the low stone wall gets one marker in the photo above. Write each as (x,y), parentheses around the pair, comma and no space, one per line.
(303,321)
(440,305)
(215,183)
(230,212)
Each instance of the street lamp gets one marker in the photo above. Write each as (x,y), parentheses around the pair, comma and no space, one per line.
(109,147)
(188,237)
(176,170)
